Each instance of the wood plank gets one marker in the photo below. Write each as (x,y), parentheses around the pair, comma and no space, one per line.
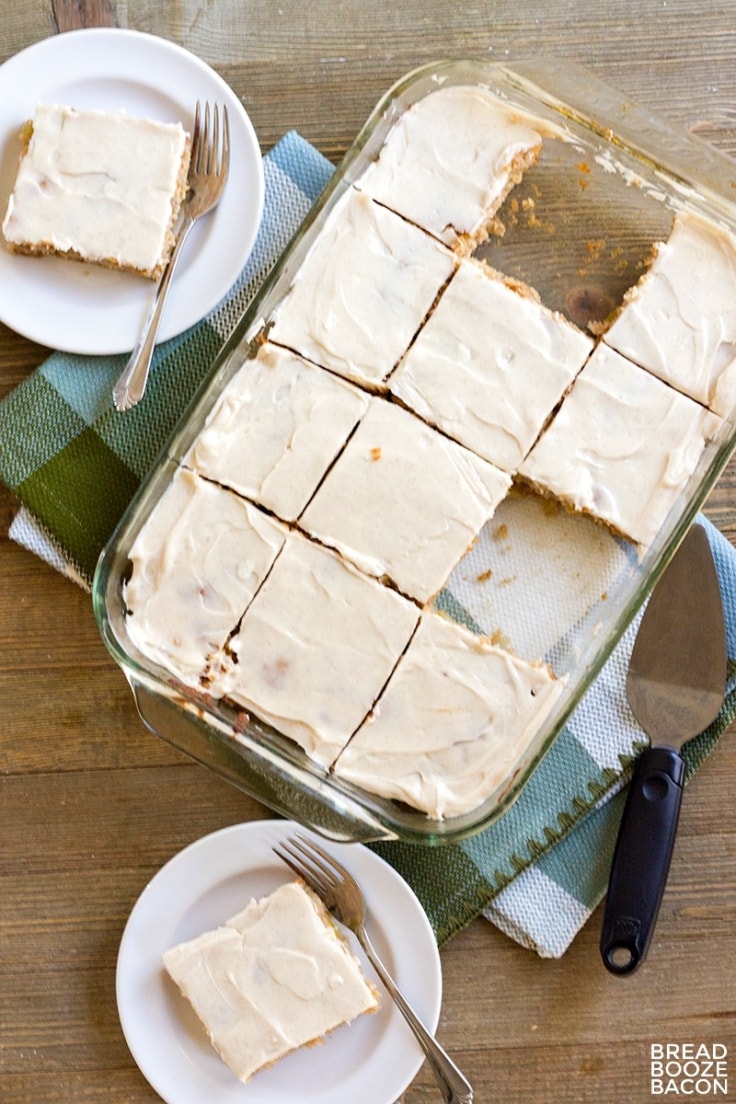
(73,15)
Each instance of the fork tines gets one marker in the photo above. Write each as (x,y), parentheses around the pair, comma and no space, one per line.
(208,153)
(309,862)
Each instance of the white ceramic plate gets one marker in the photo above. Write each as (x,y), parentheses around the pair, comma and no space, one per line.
(83,308)
(370,1061)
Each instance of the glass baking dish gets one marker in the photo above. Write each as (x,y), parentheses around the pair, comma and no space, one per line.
(578,228)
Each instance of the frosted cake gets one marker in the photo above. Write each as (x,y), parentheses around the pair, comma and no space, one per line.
(679,321)
(274,978)
(490,365)
(450,161)
(403,501)
(315,647)
(196,564)
(362,291)
(392,392)
(98,186)
(456,716)
(622,446)
(275,430)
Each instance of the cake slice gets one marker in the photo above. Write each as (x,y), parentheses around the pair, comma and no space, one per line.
(679,320)
(98,186)
(490,365)
(276,977)
(622,447)
(196,564)
(315,647)
(275,430)
(450,160)
(362,291)
(403,501)
(454,723)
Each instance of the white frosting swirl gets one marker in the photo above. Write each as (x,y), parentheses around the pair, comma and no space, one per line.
(99,184)
(622,446)
(490,365)
(197,562)
(450,159)
(362,291)
(404,501)
(273,978)
(453,724)
(679,321)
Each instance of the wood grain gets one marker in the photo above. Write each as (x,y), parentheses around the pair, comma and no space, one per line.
(91,804)
(73,15)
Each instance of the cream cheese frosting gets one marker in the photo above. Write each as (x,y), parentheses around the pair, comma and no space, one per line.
(275,430)
(99,185)
(403,501)
(490,365)
(399,389)
(679,321)
(274,978)
(449,161)
(362,291)
(453,724)
(315,647)
(196,563)
(622,446)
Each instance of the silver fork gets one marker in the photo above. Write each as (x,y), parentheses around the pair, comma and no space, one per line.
(208,168)
(343,897)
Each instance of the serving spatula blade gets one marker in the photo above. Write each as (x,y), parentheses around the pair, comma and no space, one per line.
(675,687)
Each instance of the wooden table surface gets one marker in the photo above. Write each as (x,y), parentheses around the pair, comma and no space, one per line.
(91,805)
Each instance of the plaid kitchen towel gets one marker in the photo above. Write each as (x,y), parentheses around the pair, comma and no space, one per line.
(74,463)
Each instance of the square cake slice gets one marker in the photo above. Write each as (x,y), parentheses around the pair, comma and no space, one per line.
(276,977)
(362,291)
(404,501)
(98,186)
(679,321)
(196,564)
(622,446)
(450,160)
(315,648)
(453,724)
(275,430)
(490,365)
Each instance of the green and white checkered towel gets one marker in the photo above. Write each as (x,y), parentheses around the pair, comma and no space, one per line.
(74,463)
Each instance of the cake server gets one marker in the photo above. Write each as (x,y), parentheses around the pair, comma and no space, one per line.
(675,687)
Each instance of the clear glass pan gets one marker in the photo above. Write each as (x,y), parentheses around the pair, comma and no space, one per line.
(578,228)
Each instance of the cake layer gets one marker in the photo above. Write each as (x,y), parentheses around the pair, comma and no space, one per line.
(622,446)
(490,365)
(403,501)
(450,160)
(196,564)
(276,977)
(362,291)
(99,186)
(275,430)
(679,321)
(315,647)
(453,723)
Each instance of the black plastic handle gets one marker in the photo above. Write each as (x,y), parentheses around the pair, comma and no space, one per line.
(641,861)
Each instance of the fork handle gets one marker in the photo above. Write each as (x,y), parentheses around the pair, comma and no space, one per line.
(129,389)
(453,1085)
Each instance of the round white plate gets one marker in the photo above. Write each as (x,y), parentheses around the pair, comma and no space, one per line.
(370,1061)
(82,308)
